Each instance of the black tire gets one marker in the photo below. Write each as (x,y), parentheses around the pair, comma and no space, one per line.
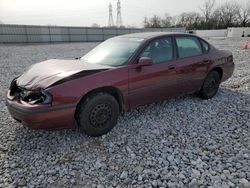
(210,86)
(98,114)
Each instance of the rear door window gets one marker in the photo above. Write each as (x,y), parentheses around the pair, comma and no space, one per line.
(188,46)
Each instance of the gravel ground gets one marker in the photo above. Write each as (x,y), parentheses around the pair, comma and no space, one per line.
(181,142)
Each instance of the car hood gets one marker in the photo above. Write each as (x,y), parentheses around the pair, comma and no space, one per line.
(44,74)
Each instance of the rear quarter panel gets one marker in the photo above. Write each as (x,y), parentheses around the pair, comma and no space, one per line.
(221,59)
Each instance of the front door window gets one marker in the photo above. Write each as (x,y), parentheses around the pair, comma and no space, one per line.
(159,50)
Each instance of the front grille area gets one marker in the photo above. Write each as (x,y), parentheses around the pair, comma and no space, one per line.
(19,93)
(32,97)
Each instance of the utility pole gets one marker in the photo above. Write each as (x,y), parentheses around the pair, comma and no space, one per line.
(111,21)
(119,15)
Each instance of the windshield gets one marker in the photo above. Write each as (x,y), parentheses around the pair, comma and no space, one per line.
(113,52)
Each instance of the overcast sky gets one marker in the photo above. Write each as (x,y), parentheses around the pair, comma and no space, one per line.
(87,12)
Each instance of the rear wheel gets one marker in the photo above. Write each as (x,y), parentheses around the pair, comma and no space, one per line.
(210,85)
(98,114)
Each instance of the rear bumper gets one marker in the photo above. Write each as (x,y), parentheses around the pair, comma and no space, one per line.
(42,116)
(228,70)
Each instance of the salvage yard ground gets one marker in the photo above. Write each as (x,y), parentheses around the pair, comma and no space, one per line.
(179,142)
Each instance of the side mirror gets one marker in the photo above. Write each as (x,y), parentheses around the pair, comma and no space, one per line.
(145,61)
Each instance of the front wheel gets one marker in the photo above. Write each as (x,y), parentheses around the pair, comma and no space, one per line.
(98,114)
(210,85)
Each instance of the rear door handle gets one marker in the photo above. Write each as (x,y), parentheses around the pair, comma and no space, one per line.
(171,67)
(206,61)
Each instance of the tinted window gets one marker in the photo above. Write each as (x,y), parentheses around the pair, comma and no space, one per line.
(205,45)
(159,50)
(188,46)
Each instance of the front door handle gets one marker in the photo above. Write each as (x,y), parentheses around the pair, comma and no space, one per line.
(171,67)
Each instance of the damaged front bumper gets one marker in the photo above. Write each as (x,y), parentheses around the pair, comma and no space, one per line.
(41,116)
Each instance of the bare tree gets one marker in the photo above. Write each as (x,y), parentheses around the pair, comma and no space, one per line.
(228,13)
(166,21)
(190,20)
(155,21)
(207,9)
(174,21)
(244,15)
(146,22)
(215,21)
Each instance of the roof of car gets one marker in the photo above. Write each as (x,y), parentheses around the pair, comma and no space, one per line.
(148,35)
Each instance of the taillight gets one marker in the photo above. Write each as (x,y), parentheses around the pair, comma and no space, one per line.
(230,58)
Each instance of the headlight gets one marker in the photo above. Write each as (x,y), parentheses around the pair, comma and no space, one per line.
(35,97)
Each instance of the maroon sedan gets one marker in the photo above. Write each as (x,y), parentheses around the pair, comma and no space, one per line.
(119,74)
